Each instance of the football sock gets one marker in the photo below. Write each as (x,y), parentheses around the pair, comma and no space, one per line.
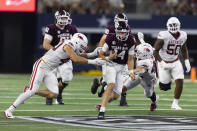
(153,97)
(102,109)
(176,101)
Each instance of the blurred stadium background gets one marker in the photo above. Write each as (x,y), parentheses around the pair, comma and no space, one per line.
(21,35)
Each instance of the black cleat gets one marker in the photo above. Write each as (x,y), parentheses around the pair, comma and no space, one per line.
(49,101)
(59,102)
(101,116)
(123,101)
(95,86)
(100,93)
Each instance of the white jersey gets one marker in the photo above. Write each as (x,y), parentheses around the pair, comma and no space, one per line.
(170,50)
(57,56)
(148,64)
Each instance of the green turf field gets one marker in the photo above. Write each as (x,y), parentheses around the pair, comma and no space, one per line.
(79,101)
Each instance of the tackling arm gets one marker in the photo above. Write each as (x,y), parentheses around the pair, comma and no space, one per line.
(158,45)
(73,56)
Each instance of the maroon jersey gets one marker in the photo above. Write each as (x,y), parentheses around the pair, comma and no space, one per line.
(60,34)
(122,47)
(111,30)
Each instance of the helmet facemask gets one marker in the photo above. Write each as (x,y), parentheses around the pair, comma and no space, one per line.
(173,25)
(62,18)
(122,31)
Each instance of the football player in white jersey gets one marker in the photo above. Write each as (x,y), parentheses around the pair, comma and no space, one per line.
(143,74)
(43,67)
(167,47)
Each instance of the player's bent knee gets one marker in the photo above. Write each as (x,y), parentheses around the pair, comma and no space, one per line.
(164,87)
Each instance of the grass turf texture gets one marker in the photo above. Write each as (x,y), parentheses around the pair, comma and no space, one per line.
(79,101)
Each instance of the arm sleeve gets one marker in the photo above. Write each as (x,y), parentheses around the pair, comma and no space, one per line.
(49,37)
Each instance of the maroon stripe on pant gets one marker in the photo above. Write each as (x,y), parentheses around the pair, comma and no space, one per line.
(35,70)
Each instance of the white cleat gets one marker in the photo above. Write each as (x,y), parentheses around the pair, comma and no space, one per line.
(175,107)
(8,114)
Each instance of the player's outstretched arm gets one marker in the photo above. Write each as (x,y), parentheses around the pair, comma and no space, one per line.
(73,56)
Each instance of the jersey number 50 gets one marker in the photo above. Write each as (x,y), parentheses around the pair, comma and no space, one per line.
(173,49)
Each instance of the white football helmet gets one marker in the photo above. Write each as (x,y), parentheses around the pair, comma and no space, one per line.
(81,42)
(62,17)
(144,51)
(173,25)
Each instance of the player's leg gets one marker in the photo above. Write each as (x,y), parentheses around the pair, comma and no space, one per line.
(65,76)
(110,77)
(178,76)
(103,82)
(149,92)
(36,78)
(164,78)
(127,85)
(49,101)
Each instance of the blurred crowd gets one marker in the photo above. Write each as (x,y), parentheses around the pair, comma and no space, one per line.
(158,7)
(81,6)
(175,7)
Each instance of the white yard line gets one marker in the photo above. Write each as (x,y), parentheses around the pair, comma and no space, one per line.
(122,109)
(131,105)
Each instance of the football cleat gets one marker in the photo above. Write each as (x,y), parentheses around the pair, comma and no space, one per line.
(26,88)
(8,114)
(101,116)
(95,86)
(98,107)
(153,106)
(59,102)
(49,101)
(175,107)
(123,101)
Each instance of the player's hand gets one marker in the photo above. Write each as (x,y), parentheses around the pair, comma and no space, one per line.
(97,61)
(187,65)
(140,36)
(113,54)
(133,76)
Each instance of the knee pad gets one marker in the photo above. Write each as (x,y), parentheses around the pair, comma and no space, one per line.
(164,87)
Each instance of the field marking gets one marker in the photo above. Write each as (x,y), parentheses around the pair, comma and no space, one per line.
(122,109)
(87,98)
(131,105)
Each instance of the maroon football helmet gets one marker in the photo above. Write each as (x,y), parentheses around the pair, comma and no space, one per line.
(122,31)
(62,18)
